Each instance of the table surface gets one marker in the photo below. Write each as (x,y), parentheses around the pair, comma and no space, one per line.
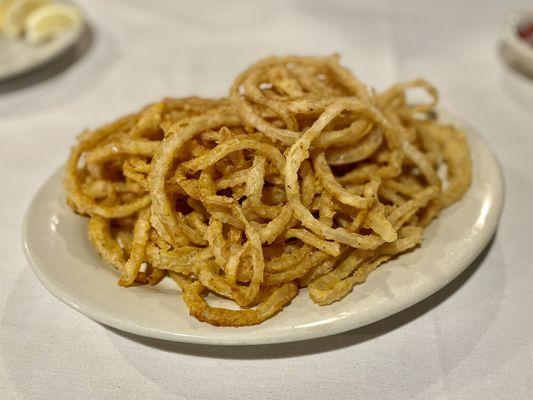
(473,339)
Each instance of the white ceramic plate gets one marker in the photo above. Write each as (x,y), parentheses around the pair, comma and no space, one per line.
(18,57)
(57,248)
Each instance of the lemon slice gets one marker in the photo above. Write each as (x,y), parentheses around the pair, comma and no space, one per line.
(49,20)
(16,13)
(4,5)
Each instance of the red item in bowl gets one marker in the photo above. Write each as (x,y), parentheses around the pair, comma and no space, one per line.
(525,32)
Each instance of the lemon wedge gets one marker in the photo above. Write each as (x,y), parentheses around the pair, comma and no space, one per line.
(48,20)
(16,14)
(4,5)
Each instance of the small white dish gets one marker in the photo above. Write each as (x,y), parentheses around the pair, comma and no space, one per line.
(518,51)
(18,57)
(58,250)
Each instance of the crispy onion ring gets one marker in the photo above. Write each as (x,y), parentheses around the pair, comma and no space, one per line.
(301,178)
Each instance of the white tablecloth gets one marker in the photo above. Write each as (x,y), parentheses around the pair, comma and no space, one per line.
(472,340)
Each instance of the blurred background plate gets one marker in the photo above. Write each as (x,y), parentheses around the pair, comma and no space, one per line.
(18,57)
(517,51)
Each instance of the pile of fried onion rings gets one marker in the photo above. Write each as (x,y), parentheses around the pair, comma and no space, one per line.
(302,177)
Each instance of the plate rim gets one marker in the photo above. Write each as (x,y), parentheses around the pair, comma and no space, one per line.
(285,335)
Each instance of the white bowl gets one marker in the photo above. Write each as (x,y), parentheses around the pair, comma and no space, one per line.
(517,51)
